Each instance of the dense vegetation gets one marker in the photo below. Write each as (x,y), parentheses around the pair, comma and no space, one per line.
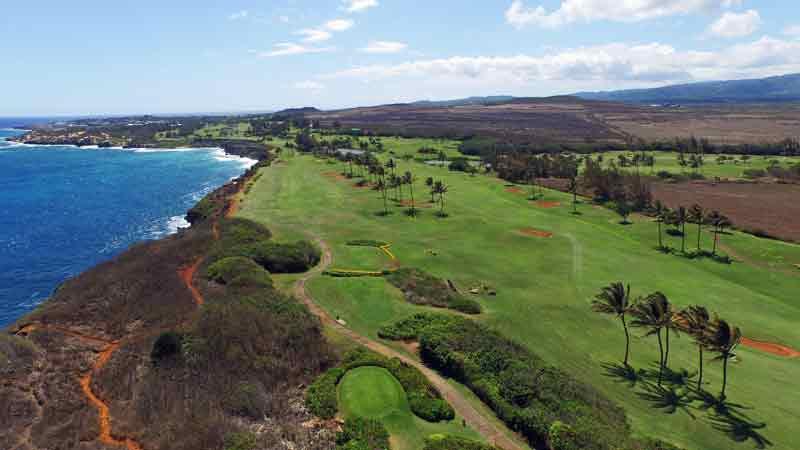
(360,433)
(525,392)
(446,442)
(422,288)
(424,400)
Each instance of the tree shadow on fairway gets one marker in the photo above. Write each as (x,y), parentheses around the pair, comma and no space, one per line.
(681,377)
(667,399)
(739,428)
(622,373)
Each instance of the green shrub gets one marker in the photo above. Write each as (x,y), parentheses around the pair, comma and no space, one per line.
(235,232)
(424,400)
(421,288)
(166,346)
(359,433)
(447,442)
(543,403)
(241,441)
(338,273)
(295,257)
(367,243)
(239,271)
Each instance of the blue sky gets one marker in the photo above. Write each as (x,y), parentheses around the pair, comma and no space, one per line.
(174,56)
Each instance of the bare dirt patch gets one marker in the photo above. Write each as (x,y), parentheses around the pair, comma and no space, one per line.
(759,208)
(771,348)
(547,205)
(334,176)
(533,232)
(515,190)
(418,205)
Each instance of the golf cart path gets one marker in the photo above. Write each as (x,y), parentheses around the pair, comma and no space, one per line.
(492,432)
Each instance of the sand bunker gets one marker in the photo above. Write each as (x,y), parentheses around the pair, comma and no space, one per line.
(774,349)
(535,233)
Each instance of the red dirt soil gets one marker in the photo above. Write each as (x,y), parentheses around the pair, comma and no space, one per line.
(547,205)
(515,190)
(334,175)
(535,233)
(187,275)
(774,349)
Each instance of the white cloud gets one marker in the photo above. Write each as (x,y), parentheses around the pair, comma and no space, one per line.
(359,5)
(793,31)
(243,14)
(314,35)
(384,47)
(309,85)
(571,11)
(290,48)
(732,25)
(623,64)
(339,24)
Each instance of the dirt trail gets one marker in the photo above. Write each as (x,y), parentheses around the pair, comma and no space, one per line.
(187,275)
(462,406)
(768,347)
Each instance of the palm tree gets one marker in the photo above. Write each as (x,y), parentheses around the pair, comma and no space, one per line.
(382,187)
(681,216)
(653,313)
(408,178)
(429,184)
(719,222)
(662,214)
(440,189)
(723,338)
(697,215)
(695,321)
(573,188)
(616,299)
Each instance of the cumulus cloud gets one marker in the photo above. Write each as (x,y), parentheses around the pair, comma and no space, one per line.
(290,49)
(384,47)
(359,5)
(309,85)
(570,11)
(339,24)
(620,63)
(793,31)
(238,15)
(314,35)
(732,25)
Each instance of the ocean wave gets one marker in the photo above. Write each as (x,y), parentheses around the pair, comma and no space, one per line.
(172,226)
(220,155)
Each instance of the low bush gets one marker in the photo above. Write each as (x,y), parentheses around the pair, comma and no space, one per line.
(166,346)
(241,441)
(424,400)
(359,433)
(542,402)
(338,273)
(421,288)
(239,271)
(367,243)
(276,257)
(236,232)
(447,442)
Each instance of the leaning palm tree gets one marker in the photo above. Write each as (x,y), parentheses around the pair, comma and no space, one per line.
(429,183)
(723,338)
(616,299)
(440,189)
(653,313)
(696,321)
(381,186)
(573,188)
(697,215)
(682,216)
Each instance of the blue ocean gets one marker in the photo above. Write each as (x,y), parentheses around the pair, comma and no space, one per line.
(65,209)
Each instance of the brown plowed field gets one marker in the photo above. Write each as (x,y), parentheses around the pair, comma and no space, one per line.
(773,209)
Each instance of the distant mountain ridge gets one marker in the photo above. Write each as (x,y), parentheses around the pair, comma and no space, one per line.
(785,88)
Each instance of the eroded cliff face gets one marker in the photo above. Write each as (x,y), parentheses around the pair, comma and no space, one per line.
(143,352)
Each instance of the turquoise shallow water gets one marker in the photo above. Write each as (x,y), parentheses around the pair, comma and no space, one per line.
(64,209)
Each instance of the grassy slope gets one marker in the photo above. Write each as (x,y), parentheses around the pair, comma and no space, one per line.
(545,285)
(373,392)
(668,161)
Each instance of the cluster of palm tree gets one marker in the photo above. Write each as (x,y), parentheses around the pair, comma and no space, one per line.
(437,189)
(658,317)
(697,215)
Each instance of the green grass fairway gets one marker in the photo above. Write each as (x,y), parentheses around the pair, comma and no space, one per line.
(545,285)
(668,161)
(372,392)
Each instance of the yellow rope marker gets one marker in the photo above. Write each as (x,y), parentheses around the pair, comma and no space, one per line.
(385,249)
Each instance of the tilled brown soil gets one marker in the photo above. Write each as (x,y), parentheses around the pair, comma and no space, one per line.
(761,208)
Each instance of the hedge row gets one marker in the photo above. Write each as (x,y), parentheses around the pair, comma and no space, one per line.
(546,405)
(424,400)
(367,243)
(238,271)
(341,273)
(422,288)
(447,442)
(359,433)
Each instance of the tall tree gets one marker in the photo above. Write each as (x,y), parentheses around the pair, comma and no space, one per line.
(723,338)
(408,178)
(662,214)
(719,222)
(698,216)
(382,187)
(682,217)
(653,314)
(573,188)
(616,299)
(440,189)
(696,321)
(429,183)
